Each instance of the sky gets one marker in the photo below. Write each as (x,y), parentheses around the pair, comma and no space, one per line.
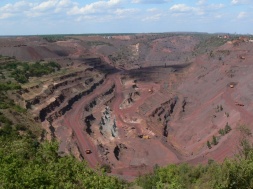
(36,17)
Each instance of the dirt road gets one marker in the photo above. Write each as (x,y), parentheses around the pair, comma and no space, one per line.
(74,120)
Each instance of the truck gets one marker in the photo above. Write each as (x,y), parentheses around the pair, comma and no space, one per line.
(88,151)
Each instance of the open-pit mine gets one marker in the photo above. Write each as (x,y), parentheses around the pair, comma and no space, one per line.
(137,101)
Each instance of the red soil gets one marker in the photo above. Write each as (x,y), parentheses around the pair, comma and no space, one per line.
(193,120)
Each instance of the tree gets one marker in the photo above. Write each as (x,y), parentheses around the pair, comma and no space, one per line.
(208,144)
(215,141)
(222,132)
(227,128)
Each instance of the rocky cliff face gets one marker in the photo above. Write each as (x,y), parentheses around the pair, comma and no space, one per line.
(108,126)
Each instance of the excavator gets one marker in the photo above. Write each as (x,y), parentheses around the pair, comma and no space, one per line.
(239,104)
(146,137)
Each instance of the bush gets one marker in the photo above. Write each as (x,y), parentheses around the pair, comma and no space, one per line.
(222,132)
(208,144)
(215,141)
(21,72)
(227,128)
(106,168)
(11,86)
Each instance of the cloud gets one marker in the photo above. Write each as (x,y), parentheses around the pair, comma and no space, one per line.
(65,3)
(153,10)
(155,17)
(30,9)
(216,6)
(16,7)
(150,1)
(201,2)
(237,2)
(96,7)
(182,8)
(242,15)
(125,12)
(50,7)
(140,12)
(5,15)
(218,16)
(45,5)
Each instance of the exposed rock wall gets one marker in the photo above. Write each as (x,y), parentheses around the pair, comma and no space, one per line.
(108,126)
(68,105)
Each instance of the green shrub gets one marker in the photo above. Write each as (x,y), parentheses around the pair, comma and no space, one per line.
(208,144)
(222,132)
(215,141)
(227,128)
(21,72)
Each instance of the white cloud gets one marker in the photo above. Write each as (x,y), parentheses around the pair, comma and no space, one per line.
(218,16)
(242,15)
(201,2)
(46,5)
(5,15)
(153,10)
(69,11)
(150,1)
(94,18)
(155,17)
(216,6)
(64,3)
(182,8)
(235,2)
(125,12)
(96,7)
(50,7)
(25,8)
(82,18)
(16,7)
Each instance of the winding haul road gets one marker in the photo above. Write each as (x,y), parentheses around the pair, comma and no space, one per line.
(73,119)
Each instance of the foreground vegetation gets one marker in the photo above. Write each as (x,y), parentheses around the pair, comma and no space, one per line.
(26,163)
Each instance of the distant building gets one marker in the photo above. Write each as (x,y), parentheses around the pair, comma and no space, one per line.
(223,36)
(226,36)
